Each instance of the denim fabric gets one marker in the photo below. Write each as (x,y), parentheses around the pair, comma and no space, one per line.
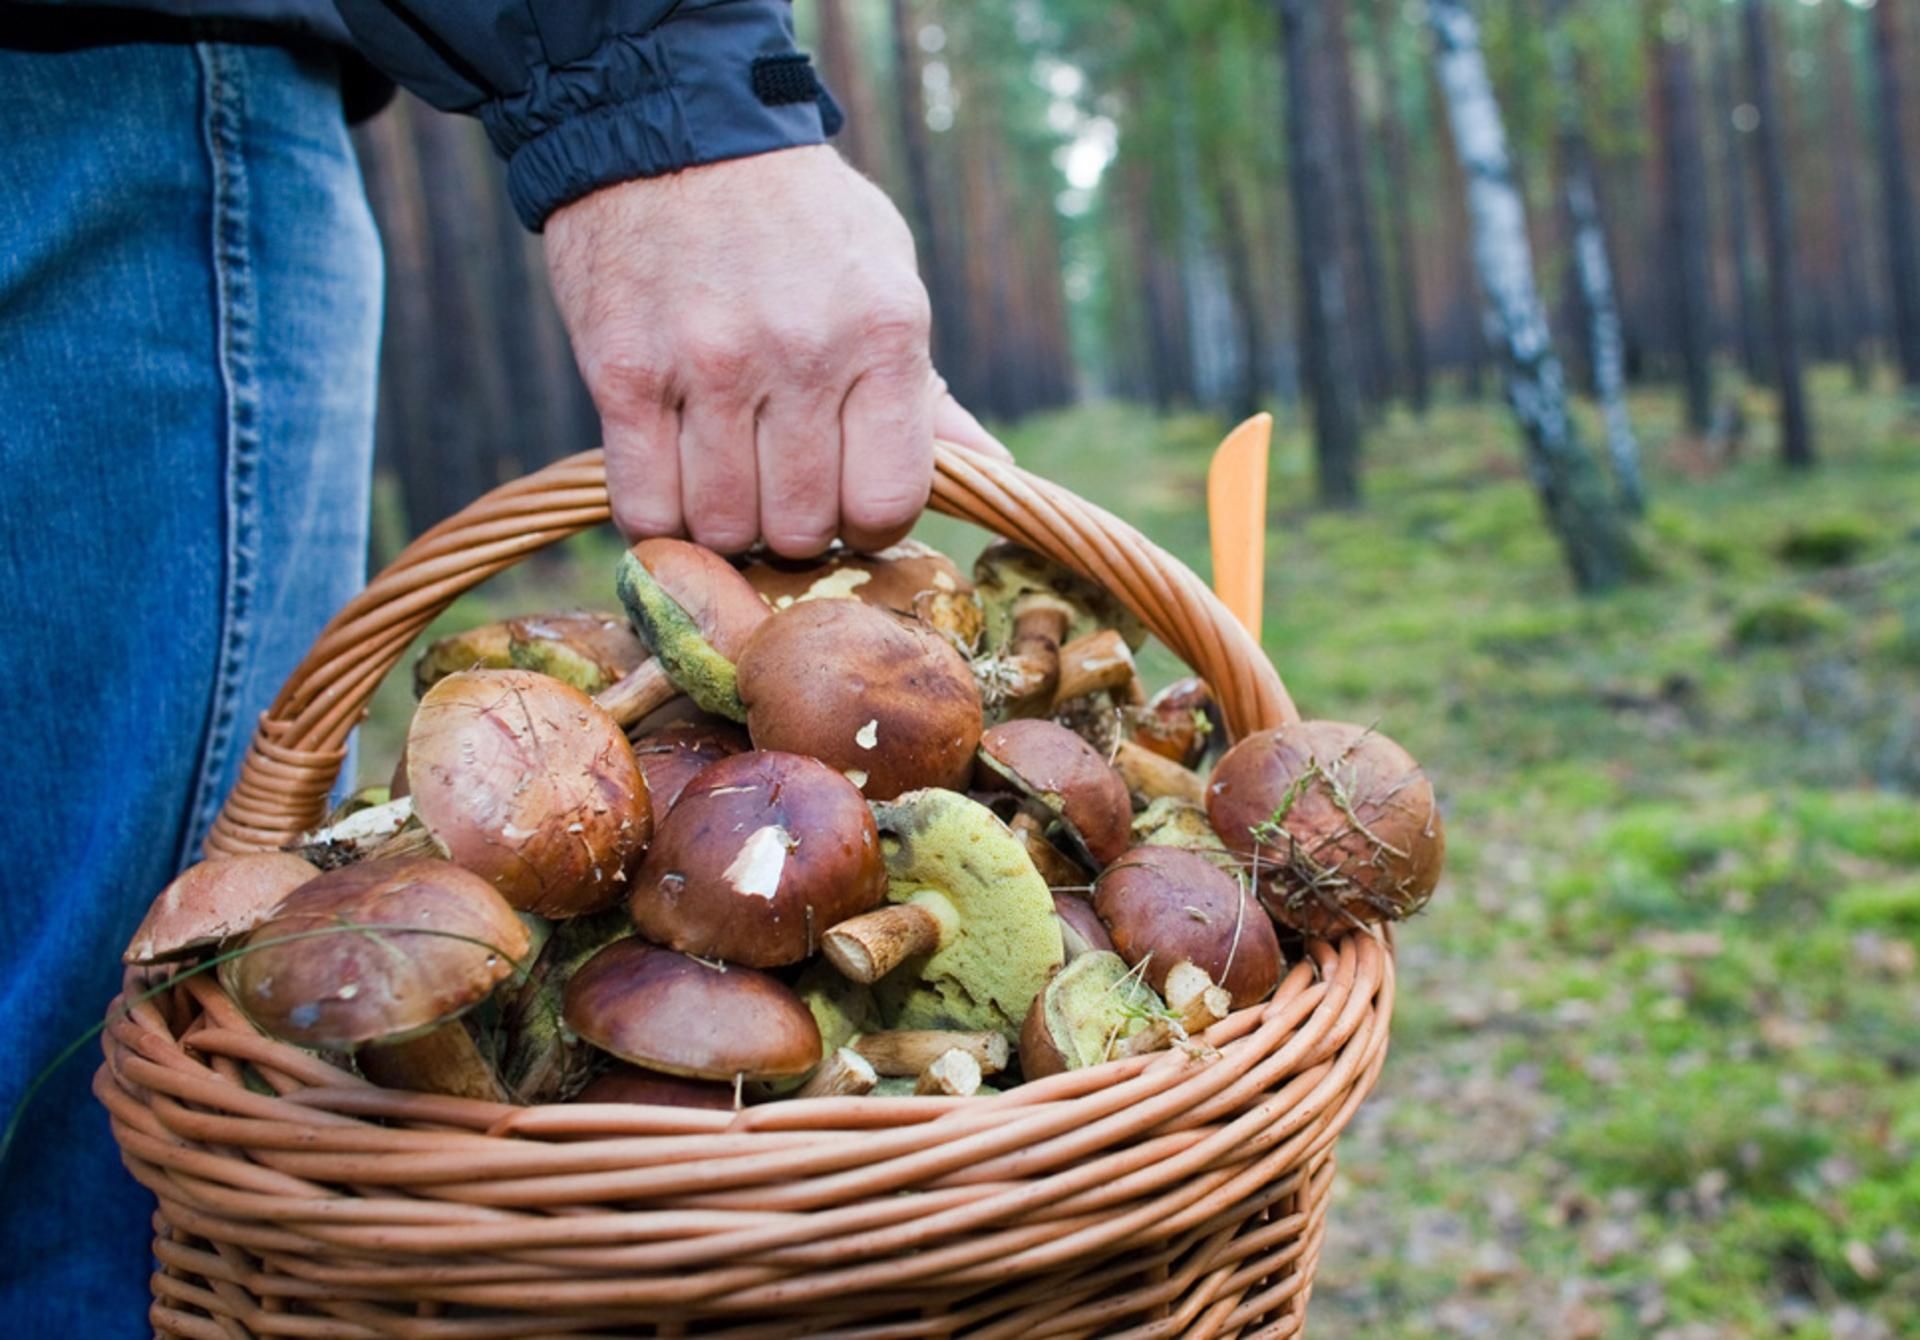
(189,309)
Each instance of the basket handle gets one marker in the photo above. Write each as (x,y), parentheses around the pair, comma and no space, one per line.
(300,744)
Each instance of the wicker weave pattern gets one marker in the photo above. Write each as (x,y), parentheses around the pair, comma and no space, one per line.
(1178,1194)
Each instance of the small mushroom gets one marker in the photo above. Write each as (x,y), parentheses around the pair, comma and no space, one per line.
(1339,822)
(1085,1014)
(971,929)
(908,1051)
(1051,765)
(379,951)
(1182,722)
(763,853)
(665,1011)
(670,755)
(908,578)
(213,901)
(1081,931)
(523,780)
(883,699)
(695,612)
(631,1084)
(1165,906)
(841,1009)
(1033,607)
(590,651)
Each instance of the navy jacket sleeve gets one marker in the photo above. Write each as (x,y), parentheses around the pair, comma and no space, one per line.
(578,94)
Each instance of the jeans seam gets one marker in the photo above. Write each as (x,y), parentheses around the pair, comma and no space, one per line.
(236,326)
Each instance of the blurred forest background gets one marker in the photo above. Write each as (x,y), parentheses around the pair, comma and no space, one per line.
(1597,483)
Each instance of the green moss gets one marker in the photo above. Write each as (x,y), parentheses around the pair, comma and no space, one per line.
(1828,542)
(1786,620)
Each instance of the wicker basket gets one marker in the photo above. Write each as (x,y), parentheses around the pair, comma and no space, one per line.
(1163,1195)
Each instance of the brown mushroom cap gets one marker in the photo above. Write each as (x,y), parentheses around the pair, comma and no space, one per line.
(1169,906)
(213,900)
(671,755)
(885,700)
(1056,767)
(908,578)
(1340,821)
(525,781)
(438,940)
(665,1011)
(630,1084)
(763,852)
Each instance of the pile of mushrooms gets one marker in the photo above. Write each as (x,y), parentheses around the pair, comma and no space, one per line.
(784,830)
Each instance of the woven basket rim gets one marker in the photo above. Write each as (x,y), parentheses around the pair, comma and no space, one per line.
(369,1199)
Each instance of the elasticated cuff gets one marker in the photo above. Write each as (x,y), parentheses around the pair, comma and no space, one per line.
(716,82)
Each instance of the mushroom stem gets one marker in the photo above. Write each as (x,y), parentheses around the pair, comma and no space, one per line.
(1033,653)
(871,945)
(1194,998)
(445,1060)
(642,690)
(910,1051)
(1098,662)
(953,1074)
(1155,1037)
(846,1073)
(1151,776)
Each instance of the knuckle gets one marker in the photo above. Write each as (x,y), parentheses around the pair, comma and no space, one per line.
(627,378)
(901,317)
(717,361)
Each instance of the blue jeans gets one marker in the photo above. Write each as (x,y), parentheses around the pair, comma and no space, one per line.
(189,318)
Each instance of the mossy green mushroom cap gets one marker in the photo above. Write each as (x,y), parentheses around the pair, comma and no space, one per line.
(999,938)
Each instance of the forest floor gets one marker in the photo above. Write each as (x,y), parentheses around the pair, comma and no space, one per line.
(1656,1062)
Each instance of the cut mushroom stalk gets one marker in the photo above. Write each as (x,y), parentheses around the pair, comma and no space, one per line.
(952,1074)
(909,1051)
(846,1073)
(1028,675)
(1097,663)
(356,836)
(1151,777)
(868,947)
(1194,998)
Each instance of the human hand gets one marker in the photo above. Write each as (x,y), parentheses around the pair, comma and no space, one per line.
(754,334)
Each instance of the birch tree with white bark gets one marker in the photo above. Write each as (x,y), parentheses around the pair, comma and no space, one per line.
(1590,527)
(1592,271)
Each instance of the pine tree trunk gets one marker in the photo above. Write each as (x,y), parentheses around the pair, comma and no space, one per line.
(1896,194)
(1249,319)
(1591,531)
(940,263)
(1796,434)
(1753,355)
(1374,355)
(1413,351)
(859,139)
(1326,354)
(1592,272)
(1683,200)
(1843,131)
